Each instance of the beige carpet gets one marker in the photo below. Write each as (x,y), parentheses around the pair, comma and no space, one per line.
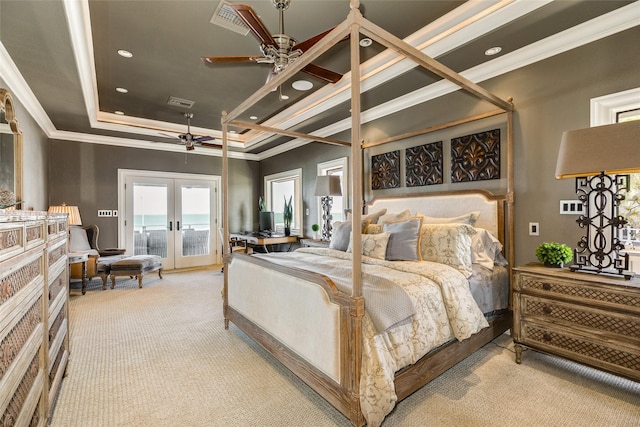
(159,356)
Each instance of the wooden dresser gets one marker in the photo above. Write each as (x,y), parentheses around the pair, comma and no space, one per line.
(34,343)
(588,318)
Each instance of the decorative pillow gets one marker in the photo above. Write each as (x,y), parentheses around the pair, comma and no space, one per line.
(373,245)
(389,218)
(469,218)
(374,229)
(341,234)
(372,216)
(404,241)
(447,244)
(485,248)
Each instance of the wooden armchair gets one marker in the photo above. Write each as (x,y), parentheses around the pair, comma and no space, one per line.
(85,240)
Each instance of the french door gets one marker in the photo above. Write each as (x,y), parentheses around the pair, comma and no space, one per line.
(171,215)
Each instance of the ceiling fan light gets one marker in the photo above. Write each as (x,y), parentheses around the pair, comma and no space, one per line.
(122,90)
(366,42)
(125,53)
(302,85)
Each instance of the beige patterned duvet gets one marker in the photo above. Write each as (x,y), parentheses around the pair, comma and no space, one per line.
(445,310)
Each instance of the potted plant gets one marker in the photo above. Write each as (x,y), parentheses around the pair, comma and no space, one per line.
(287,215)
(554,254)
(315,228)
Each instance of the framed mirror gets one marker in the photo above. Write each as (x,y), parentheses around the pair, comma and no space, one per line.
(10,151)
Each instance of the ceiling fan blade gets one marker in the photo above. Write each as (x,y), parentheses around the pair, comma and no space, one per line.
(167,135)
(203,138)
(225,59)
(308,43)
(255,24)
(322,73)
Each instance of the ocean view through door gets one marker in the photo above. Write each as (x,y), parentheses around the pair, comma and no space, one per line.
(173,216)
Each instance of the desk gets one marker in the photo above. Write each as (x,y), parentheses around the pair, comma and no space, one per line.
(275,239)
(80,257)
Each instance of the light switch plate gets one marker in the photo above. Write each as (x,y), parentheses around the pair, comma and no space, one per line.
(534,229)
(104,213)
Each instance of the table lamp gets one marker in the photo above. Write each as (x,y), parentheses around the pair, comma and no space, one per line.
(72,211)
(600,158)
(327,186)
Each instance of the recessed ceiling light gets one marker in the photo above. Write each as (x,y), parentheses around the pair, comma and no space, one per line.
(366,42)
(125,53)
(253,117)
(120,113)
(122,90)
(302,85)
(493,51)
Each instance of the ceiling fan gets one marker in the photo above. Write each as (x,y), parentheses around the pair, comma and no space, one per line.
(190,141)
(278,49)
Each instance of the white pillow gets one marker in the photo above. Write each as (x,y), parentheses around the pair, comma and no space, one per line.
(469,218)
(372,216)
(485,248)
(373,245)
(448,244)
(395,217)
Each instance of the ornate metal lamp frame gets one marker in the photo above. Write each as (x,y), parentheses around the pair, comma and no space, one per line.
(327,203)
(599,250)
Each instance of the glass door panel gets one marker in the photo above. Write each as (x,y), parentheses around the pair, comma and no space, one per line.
(193,212)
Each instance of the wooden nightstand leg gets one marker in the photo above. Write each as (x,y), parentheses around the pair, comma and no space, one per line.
(518,349)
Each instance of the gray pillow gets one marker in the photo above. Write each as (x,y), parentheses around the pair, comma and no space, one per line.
(340,236)
(404,240)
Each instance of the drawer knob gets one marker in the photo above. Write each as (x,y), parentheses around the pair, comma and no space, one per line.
(546,286)
(546,309)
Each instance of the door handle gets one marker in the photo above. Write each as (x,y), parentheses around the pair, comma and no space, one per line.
(170,225)
(178,225)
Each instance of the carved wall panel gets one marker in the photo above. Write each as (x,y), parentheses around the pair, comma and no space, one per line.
(476,157)
(385,170)
(424,165)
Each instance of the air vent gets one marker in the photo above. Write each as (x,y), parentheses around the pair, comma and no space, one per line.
(225,17)
(179,102)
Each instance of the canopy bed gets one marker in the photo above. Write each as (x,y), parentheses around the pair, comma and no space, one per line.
(308,309)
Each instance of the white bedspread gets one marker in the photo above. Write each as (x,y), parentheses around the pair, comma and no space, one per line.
(445,309)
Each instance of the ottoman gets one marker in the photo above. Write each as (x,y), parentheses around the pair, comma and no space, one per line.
(103,267)
(137,265)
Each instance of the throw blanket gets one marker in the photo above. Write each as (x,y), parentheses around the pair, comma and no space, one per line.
(386,303)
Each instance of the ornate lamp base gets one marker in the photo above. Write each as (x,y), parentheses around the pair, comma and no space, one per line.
(327,203)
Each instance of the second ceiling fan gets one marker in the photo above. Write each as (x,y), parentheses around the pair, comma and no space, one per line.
(278,49)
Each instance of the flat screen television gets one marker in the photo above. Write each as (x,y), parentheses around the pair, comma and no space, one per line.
(267,221)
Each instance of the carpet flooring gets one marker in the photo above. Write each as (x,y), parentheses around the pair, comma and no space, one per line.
(160,356)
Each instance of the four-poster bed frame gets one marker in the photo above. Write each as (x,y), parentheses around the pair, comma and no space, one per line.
(341,388)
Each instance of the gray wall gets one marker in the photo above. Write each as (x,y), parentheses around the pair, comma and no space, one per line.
(550,97)
(34,161)
(88,178)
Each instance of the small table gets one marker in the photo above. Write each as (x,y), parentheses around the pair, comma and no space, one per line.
(264,241)
(80,257)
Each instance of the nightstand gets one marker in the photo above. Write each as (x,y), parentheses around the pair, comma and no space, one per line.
(314,243)
(588,318)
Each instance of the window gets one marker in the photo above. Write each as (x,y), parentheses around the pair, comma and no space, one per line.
(281,186)
(614,108)
(340,203)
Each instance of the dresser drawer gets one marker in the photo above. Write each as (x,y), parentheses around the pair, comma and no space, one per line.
(601,295)
(602,354)
(588,319)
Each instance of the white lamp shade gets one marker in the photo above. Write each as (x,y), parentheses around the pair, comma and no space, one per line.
(328,185)
(612,149)
(72,211)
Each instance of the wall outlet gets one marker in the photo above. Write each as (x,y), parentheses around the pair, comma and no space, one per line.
(104,212)
(534,229)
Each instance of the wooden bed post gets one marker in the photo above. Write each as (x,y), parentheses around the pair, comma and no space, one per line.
(357,301)
(225,218)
